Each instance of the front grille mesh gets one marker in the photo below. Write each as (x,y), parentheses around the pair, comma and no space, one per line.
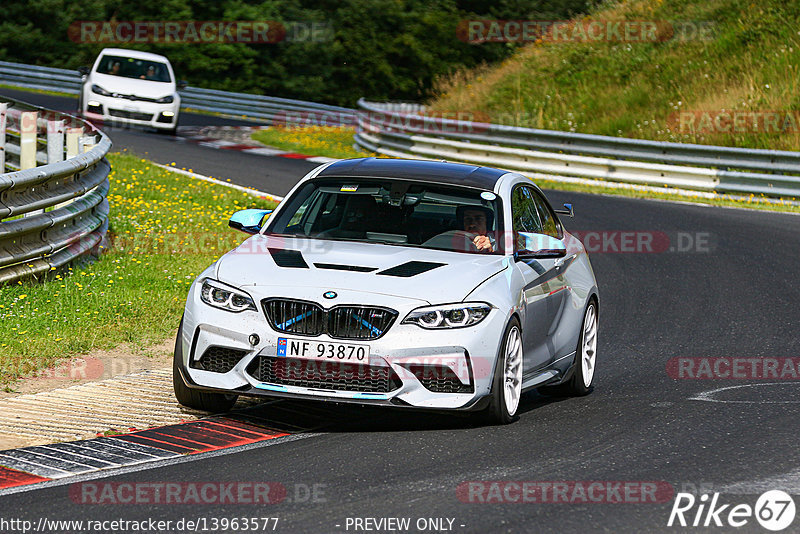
(336,376)
(340,322)
(356,322)
(219,359)
(135,115)
(295,317)
(439,379)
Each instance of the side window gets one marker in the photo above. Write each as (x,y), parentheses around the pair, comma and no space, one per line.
(523,213)
(549,224)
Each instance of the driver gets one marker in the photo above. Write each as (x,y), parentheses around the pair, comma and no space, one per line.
(476,220)
(150,74)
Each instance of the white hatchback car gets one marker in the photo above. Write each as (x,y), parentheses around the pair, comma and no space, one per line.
(131,87)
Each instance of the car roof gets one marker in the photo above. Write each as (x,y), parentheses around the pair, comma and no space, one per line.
(136,54)
(439,172)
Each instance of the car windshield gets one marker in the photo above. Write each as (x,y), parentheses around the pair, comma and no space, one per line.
(128,67)
(392,212)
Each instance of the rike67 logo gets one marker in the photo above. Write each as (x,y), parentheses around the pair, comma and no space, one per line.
(774,510)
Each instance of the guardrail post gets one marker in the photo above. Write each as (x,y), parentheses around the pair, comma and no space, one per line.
(3,110)
(28,133)
(55,141)
(86,143)
(27,139)
(73,136)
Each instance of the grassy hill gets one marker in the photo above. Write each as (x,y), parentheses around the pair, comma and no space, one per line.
(734,83)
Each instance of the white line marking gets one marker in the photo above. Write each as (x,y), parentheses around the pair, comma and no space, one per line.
(321,159)
(707,396)
(788,482)
(263,151)
(249,190)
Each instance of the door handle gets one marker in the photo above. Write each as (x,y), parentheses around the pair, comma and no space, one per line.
(560,261)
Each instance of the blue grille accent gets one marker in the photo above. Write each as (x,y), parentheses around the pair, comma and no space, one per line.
(340,322)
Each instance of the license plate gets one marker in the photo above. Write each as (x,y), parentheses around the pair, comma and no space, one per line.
(323,350)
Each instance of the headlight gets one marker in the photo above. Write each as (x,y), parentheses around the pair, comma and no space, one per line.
(166,100)
(225,297)
(100,91)
(449,315)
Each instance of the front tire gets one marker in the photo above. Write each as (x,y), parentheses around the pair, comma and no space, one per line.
(192,398)
(507,383)
(585,360)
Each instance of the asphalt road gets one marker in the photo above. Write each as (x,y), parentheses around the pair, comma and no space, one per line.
(734,294)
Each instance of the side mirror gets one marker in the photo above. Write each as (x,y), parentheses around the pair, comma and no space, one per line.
(566,211)
(538,246)
(182,84)
(249,221)
(84,71)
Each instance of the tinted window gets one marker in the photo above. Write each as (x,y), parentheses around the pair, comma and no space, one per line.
(128,67)
(395,212)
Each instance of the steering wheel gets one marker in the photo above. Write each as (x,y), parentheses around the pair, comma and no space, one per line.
(460,240)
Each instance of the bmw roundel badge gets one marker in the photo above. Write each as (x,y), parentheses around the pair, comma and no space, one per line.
(329,294)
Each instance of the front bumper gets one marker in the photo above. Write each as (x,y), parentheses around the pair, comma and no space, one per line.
(463,357)
(134,112)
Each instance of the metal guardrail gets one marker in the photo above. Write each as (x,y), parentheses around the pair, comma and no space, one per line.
(53,189)
(263,109)
(405,131)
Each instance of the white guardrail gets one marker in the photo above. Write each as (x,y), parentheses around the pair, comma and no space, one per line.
(53,189)
(263,109)
(403,130)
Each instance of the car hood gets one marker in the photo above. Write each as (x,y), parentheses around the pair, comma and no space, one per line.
(132,86)
(433,276)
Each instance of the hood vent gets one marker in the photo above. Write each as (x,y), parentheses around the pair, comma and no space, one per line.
(338,267)
(288,258)
(411,268)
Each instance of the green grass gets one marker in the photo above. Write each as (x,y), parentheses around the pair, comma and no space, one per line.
(751,62)
(38,91)
(329,141)
(165,229)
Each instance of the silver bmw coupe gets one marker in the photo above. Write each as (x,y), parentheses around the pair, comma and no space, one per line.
(406,283)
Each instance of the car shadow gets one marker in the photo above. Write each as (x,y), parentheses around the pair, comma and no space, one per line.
(295,416)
